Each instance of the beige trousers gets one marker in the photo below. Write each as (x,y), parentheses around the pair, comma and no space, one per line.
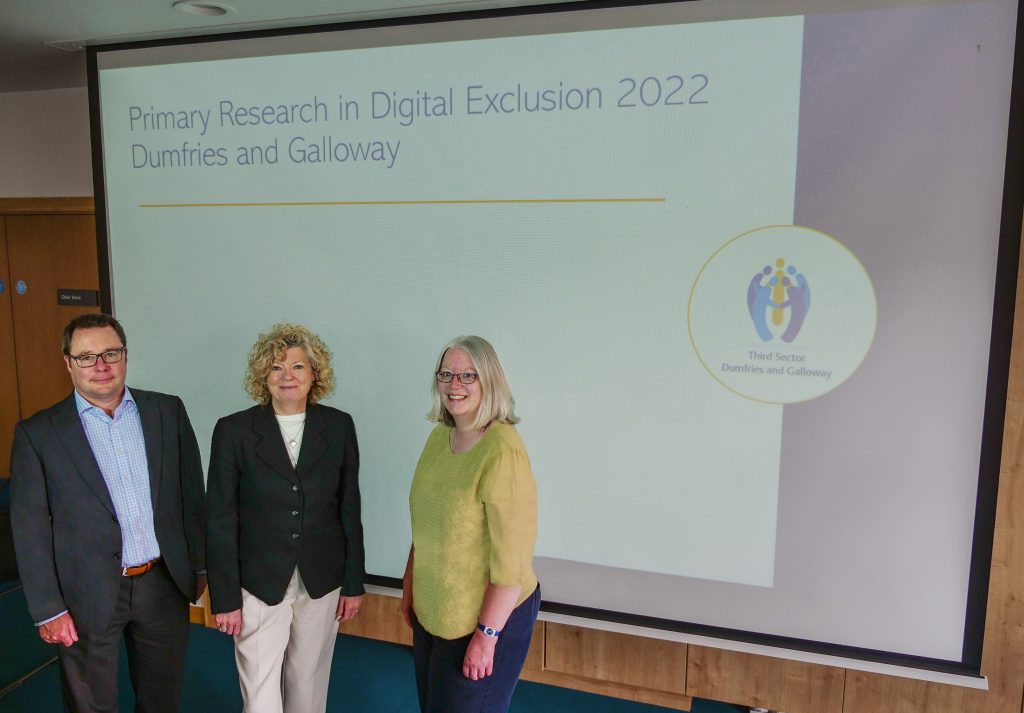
(284,652)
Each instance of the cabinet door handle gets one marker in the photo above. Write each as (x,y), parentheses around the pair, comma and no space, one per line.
(20,287)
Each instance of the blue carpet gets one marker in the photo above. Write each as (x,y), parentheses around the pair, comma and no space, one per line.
(38,694)
(8,567)
(367,677)
(22,651)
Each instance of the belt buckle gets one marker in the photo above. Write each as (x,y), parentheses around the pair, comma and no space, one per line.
(124,571)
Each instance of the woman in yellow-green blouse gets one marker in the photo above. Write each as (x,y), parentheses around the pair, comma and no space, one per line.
(469,591)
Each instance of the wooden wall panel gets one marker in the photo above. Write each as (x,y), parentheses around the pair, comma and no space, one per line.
(535,656)
(764,682)
(866,691)
(381,619)
(1003,656)
(618,658)
(10,410)
(201,613)
(47,206)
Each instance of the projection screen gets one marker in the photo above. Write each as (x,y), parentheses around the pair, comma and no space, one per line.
(751,278)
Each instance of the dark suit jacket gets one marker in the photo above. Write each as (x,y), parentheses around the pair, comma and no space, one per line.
(265,518)
(66,534)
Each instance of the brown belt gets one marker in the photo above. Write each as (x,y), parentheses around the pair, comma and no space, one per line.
(139,568)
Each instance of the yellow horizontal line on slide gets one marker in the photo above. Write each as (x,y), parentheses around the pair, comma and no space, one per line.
(483,201)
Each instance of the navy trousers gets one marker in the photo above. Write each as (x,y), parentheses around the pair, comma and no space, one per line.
(439,681)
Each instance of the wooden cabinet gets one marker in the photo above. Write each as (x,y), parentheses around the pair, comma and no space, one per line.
(611,664)
(45,245)
(765,682)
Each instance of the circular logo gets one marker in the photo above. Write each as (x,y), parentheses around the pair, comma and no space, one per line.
(782,314)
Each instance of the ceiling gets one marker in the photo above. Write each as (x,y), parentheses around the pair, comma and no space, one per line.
(28,28)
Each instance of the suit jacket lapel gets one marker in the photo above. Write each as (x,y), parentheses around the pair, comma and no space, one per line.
(313,443)
(68,426)
(270,446)
(152,434)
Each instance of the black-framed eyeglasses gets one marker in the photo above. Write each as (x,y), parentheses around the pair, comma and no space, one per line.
(111,356)
(466,377)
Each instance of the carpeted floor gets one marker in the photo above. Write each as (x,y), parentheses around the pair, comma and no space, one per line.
(8,569)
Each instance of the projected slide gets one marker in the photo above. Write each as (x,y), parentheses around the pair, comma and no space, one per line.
(552,196)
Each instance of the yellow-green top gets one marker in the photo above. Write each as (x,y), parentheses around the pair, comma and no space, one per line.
(474,522)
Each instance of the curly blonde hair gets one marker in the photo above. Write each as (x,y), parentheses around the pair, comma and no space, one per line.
(271,346)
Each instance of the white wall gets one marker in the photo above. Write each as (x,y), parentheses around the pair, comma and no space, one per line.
(44,143)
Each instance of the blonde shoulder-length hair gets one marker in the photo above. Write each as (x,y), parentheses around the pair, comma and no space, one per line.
(270,347)
(496,402)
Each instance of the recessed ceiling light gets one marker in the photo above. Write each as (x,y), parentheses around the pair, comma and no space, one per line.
(67,45)
(201,7)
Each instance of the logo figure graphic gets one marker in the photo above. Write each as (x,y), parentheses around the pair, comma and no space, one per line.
(771,294)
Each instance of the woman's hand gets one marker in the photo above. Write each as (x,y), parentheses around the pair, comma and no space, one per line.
(407,602)
(407,591)
(230,623)
(479,661)
(348,607)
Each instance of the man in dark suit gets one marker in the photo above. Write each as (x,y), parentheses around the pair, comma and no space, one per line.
(107,513)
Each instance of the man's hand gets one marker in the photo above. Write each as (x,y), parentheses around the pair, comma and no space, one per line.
(407,602)
(59,631)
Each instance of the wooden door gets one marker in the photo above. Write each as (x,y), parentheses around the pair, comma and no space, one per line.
(48,253)
(10,410)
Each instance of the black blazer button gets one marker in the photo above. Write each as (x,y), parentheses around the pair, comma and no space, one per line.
(117,555)
(113,519)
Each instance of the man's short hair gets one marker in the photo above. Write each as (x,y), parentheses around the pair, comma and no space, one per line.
(91,320)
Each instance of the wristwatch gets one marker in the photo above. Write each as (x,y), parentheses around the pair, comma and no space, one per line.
(489,630)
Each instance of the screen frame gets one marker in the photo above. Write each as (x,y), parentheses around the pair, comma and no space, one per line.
(998,373)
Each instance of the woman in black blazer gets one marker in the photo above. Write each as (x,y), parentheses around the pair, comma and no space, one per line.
(284,536)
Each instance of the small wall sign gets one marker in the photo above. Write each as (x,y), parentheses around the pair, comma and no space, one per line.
(78,298)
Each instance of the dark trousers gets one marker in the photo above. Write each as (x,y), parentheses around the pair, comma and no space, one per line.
(151,615)
(439,681)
